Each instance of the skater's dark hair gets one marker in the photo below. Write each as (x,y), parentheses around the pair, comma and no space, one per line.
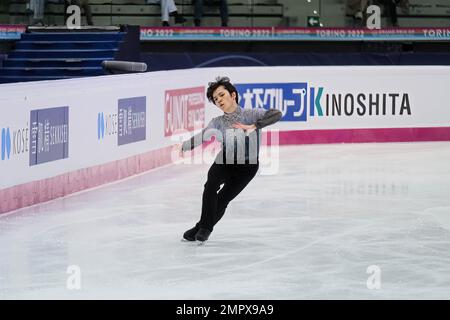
(220,81)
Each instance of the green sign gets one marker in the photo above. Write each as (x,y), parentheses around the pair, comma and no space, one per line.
(313,21)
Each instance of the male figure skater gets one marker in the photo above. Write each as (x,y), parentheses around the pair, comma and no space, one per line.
(237,163)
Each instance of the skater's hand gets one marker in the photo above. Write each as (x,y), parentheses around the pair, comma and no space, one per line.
(179,149)
(249,128)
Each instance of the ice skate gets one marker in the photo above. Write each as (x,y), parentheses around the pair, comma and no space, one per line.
(190,234)
(202,235)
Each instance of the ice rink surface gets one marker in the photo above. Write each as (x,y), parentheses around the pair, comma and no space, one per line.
(313,230)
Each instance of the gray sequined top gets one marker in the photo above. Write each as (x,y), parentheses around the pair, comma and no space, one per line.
(237,146)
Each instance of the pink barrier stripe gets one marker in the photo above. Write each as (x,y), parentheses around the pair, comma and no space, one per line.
(364,135)
(31,193)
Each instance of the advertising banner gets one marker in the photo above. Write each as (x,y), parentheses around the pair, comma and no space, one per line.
(49,135)
(184,109)
(131,124)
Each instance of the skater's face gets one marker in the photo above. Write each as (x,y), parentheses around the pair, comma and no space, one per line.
(224,100)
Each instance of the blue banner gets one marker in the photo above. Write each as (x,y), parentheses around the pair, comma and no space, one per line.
(289,98)
(131,120)
(49,135)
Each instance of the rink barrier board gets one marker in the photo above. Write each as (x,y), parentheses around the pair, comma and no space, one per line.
(44,190)
(94,159)
(40,191)
(364,135)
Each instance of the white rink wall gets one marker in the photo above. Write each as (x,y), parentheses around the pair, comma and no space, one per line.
(59,137)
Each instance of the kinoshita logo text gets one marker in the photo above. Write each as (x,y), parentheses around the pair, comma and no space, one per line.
(300,101)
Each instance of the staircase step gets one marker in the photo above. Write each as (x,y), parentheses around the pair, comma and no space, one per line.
(55,63)
(50,68)
(72,36)
(91,53)
(11,79)
(43,55)
(59,72)
(72,45)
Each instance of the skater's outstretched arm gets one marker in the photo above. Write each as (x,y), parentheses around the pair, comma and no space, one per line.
(266,118)
(200,137)
(260,118)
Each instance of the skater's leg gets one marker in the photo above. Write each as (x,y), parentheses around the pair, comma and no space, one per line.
(238,181)
(217,175)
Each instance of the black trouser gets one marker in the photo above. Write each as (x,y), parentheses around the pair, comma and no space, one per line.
(235,178)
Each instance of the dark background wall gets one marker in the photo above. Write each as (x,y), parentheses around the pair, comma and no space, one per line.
(181,55)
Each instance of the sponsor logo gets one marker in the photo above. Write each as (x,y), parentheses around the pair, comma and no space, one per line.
(289,98)
(127,125)
(6,143)
(106,125)
(14,142)
(300,102)
(131,120)
(49,135)
(184,110)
